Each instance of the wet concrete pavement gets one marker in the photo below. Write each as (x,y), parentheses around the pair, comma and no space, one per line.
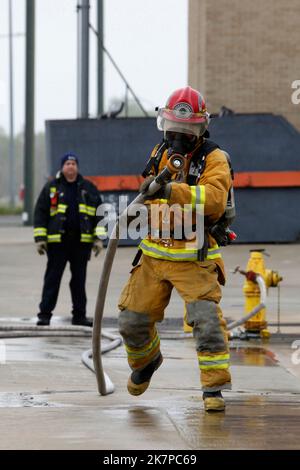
(48,400)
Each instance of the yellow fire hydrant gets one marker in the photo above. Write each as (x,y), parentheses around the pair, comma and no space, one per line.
(256,263)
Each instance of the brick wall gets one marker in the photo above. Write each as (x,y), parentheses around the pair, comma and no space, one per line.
(246,54)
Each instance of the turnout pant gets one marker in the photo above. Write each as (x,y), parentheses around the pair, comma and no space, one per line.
(147,294)
(78,255)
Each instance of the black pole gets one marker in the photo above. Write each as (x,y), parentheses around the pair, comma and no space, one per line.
(29,114)
(100,77)
(120,73)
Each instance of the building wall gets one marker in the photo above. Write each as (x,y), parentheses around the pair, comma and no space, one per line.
(246,54)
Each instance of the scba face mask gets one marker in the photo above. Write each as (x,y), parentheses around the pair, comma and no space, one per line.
(180,143)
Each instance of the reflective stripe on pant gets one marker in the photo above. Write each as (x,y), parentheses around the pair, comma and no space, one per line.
(141,339)
(209,329)
(147,294)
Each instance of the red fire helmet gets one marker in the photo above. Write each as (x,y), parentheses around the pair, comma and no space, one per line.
(185,112)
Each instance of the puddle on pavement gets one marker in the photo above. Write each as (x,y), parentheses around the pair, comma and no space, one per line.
(253,422)
(47,349)
(252,356)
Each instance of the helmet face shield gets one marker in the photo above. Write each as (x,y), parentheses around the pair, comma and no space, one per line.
(173,121)
(185,112)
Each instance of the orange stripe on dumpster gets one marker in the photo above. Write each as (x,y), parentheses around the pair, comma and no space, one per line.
(267,179)
(253,179)
(117,183)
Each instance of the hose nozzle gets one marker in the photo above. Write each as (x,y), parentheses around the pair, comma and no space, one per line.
(175,164)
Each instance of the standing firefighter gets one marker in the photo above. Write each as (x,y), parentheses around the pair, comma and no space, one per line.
(65,227)
(172,261)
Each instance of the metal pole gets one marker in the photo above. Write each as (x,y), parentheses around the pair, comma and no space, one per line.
(12,183)
(78,60)
(120,73)
(126,101)
(29,114)
(83,8)
(100,38)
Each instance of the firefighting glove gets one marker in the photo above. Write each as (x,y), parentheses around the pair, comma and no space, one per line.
(163,193)
(41,247)
(97,247)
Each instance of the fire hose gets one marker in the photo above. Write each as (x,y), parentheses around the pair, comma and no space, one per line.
(175,164)
(92,357)
(254,277)
(20,330)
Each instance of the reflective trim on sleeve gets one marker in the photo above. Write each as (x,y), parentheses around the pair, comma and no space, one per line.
(40,232)
(100,231)
(89,210)
(86,238)
(197,195)
(55,238)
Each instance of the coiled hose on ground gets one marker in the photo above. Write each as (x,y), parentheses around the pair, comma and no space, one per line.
(105,385)
(19,330)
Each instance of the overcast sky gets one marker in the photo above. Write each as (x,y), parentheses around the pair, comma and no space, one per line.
(147,38)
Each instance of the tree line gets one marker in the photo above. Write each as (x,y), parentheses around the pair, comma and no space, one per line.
(40,168)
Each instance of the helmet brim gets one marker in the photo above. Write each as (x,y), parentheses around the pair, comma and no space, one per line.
(195,124)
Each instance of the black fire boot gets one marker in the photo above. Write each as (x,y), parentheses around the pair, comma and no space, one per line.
(139,380)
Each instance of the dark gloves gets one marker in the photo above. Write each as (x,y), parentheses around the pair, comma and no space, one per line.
(146,183)
(163,193)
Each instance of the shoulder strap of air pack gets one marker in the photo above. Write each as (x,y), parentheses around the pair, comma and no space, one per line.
(197,164)
(155,159)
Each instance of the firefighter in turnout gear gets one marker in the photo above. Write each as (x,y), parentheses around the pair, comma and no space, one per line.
(65,228)
(175,261)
